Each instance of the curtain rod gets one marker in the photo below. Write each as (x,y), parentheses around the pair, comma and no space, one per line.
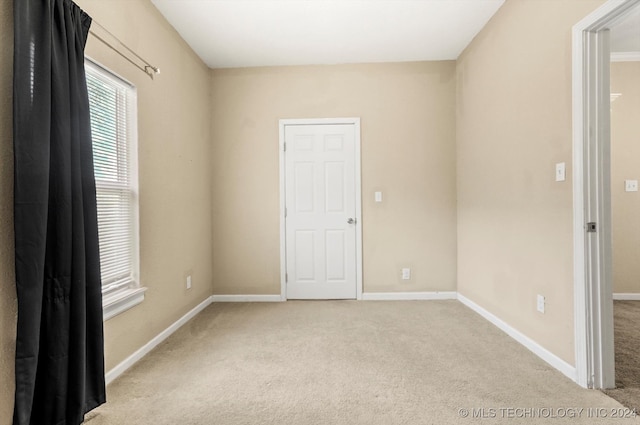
(148,69)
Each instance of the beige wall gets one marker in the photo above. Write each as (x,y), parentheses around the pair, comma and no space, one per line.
(625,165)
(407,113)
(175,179)
(8,305)
(174,170)
(509,123)
(513,125)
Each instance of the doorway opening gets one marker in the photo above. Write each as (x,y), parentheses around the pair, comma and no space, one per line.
(593,308)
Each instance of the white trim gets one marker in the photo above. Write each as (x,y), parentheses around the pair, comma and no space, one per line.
(320,121)
(121,302)
(358,164)
(246,298)
(108,71)
(114,304)
(553,360)
(533,346)
(625,57)
(144,350)
(409,296)
(283,235)
(626,296)
(605,15)
(592,316)
(579,246)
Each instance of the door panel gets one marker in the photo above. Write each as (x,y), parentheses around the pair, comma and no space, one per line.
(304,186)
(334,187)
(305,255)
(320,199)
(335,255)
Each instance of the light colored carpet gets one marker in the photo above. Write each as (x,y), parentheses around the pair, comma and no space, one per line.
(345,362)
(626,315)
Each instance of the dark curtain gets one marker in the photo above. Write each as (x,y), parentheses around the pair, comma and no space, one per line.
(60,346)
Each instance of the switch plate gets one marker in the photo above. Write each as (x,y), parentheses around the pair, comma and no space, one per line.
(378,196)
(189,282)
(406,274)
(540,305)
(631,185)
(561,172)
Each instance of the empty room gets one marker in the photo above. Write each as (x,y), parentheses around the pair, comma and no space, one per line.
(319,211)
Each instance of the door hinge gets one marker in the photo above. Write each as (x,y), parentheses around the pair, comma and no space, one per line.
(591,227)
(286,277)
(285,212)
(284,147)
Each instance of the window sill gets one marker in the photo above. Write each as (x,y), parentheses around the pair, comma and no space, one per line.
(121,302)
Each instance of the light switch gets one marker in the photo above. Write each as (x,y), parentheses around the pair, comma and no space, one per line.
(540,303)
(378,196)
(560,172)
(406,274)
(631,185)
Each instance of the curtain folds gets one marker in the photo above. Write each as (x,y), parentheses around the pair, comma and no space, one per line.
(60,345)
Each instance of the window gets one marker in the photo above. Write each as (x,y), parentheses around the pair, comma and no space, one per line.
(112,102)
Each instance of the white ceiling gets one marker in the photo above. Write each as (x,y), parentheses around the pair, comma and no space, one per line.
(247,33)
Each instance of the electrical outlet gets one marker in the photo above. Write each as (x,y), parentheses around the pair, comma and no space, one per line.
(631,185)
(406,274)
(541,302)
(189,282)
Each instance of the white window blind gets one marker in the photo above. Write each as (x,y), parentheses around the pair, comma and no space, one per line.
(112,105)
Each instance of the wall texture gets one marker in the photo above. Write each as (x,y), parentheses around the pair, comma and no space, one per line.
(174,169)
(513,125)
(175,179)
(407,113)
(8,305)
(490,130)
(625,165)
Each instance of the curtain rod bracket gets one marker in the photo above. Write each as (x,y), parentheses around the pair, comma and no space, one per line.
(148,69)
(151,70)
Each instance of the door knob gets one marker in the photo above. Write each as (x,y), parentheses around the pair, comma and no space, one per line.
(351,221)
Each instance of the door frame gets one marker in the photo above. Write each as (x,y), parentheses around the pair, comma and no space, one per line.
(358,185)
(593,286)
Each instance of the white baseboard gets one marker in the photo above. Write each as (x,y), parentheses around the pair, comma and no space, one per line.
(135,357)
(553,360)
(408,296)
(245,298)
(626,296)
(546,355)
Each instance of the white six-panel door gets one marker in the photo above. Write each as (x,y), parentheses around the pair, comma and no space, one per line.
(320,204)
